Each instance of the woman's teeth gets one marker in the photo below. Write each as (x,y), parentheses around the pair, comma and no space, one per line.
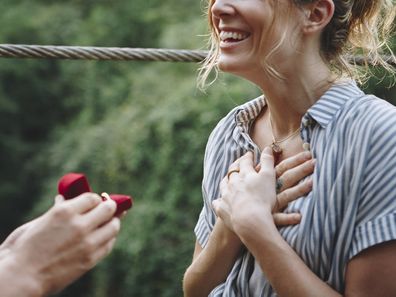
(232,36)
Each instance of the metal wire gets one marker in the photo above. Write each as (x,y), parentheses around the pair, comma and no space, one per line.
(99,53)
(118,53)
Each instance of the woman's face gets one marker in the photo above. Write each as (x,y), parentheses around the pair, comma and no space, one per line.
(248,31)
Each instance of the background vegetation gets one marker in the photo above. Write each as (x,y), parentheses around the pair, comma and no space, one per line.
(132,127)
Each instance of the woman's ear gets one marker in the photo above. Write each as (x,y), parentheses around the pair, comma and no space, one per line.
(318,15)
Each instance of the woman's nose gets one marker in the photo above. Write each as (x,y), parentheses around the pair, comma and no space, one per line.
(222,8)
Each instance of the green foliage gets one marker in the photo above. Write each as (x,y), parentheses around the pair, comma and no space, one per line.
(36,97)
(131,127)
(150,146)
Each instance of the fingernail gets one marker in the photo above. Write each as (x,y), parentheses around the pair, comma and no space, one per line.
(307,155)
(59,198)
(313,162)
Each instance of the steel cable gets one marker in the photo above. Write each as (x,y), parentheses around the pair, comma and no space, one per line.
(118,53)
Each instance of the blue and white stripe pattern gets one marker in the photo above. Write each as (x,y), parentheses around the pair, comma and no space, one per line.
(352,205)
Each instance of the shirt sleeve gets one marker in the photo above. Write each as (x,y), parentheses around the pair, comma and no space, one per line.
(202,230)
(376,216)
(221,150)
(206,218)
(373,232)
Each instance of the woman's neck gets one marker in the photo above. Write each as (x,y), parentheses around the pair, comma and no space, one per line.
(290,98)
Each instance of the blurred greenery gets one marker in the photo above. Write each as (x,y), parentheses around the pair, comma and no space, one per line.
(133,127)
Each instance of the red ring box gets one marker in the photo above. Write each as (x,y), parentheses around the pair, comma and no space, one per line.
(74,184)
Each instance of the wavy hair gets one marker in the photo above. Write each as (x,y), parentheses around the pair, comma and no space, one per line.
(358,27)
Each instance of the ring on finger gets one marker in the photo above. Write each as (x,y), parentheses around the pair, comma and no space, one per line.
(231,172)
(105,196)
(278,185)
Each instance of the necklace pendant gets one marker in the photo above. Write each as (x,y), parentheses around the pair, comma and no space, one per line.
(276,151)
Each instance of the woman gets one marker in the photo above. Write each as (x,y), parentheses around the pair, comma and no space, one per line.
(295,51)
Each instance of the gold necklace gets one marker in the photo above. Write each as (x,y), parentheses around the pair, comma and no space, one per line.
(276,149)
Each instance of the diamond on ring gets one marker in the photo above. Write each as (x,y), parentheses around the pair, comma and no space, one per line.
(105,196)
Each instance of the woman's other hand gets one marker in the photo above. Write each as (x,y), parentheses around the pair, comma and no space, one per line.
(247,190)
(289,173)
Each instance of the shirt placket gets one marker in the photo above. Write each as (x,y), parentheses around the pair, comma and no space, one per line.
(307,124)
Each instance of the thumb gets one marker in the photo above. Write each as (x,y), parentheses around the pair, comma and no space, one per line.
(58,199)
(266,159)
(17,233)
(216,205)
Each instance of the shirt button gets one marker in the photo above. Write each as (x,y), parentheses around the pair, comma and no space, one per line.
(307,122)
(306,146)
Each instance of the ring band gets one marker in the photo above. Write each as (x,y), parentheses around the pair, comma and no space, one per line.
(231,172)
(278,185)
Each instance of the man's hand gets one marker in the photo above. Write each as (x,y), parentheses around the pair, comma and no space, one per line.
(64,243)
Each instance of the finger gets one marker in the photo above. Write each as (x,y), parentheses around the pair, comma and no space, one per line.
(221,208)
(103,251)
(122,215)
(246,163)
(105,233)
(294,175)
(292,162)
(293,193)
(59,199)
(232,174)
(278,185)
(233,169)
(83,203)
(234,165)
(286,219)
(13,237)
(258,167)
(101,214)
(266,159)
(216,205)
(223,186)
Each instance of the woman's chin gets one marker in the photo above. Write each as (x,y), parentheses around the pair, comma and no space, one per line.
(229,65)
(238,68)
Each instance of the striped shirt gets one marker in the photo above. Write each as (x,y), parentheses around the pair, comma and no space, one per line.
(352,205)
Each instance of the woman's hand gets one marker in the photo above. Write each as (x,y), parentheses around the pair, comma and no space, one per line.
(289,173)
(212,265)
(247,190)
(247,194)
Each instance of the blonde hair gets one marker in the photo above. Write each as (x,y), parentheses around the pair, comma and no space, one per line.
(358,27)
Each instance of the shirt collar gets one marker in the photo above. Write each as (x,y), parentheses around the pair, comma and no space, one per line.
(325,109)
(250,110)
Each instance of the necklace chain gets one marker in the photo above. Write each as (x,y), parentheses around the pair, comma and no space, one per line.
(276,149)
(283,139)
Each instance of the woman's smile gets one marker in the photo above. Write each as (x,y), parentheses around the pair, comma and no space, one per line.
(230,38)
